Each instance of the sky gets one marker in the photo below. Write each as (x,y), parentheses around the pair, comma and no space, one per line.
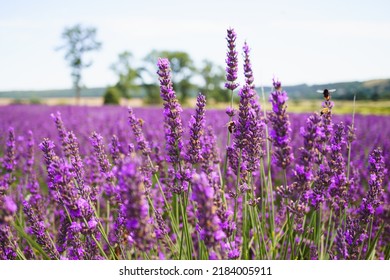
(297,41)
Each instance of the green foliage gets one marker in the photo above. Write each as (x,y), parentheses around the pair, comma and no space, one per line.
(31,100)
(152,94)
(78,42)
(127,75)
(213,77)
(35,101)
(17,101)
(112,96)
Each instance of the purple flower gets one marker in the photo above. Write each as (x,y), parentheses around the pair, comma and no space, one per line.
(7,209)
(30,153)
(339,182)
(231,60)
(38,228)
(242,125)
(327,126)
(10,205)
(9,161)
(209,153)
(8,243)
(208,220)
(136,126)
(161,229)
(256,137)
(233,250)
(172,111)
(196,131)
(115,150)
(248,73)
(77,163)
(230,111)
(280,133)
(304,173)
(104,164)
(75,246)
(61,132)
(374,196)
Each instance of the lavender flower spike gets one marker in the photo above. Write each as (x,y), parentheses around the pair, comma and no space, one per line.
(248,73)
(280,133)
(38,228)
(196,131)
(241,133)
(374,196)
(231,60)
(172,110)
(9,159)
(136,126)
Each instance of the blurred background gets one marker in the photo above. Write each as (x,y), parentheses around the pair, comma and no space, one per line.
(105,52)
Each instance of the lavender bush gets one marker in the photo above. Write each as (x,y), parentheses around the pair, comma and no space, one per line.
(173,183)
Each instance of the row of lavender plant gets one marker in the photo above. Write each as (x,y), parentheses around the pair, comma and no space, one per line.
(193,187)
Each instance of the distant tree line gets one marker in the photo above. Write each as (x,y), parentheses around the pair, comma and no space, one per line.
(140,80)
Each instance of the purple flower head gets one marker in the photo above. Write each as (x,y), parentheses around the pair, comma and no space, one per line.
(38,228)
(172,111)
(304,173)
(76,162)
(339,181)
(248,73)
(104,164)
(280,132)
(277,84)
(61,132)
(233,250)
(84,208)
(230,111)
(242,126)
(115,150)
(9,204)
(196,125)
(47,147)
(374,196)
(30,153)
(75,246)
(9,161)
(136,126)
(208,221)
(231,60)
(7,210)
(161,229)
(210,153)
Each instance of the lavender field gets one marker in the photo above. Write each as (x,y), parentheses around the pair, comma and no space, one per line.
(167,183)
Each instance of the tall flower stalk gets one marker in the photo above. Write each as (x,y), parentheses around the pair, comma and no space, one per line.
(231,84)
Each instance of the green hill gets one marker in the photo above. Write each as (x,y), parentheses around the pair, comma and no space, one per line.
(55,93)
(366,90)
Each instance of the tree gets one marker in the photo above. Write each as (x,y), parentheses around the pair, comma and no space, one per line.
(213,77)
(78,42)
(182,70)
(128,75)
(112,96)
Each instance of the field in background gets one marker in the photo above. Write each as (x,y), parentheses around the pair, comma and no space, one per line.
(364,107)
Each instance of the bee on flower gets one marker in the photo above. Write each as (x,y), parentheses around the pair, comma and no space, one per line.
(328,104)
